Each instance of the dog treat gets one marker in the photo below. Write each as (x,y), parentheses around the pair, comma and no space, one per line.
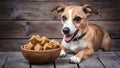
(38,47)
(47,47)
(44,40)
(29,46)
(35,39)
(38,43)
(54,43)
(26,46)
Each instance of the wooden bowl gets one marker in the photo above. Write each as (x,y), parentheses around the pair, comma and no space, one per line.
(41,57)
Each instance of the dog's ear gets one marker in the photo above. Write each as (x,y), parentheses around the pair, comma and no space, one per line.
(88,9)
(60,8)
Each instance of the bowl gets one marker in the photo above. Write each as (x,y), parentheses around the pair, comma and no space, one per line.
(44,56)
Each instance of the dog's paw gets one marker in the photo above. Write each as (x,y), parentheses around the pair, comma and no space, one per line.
(74,59)
(62,53)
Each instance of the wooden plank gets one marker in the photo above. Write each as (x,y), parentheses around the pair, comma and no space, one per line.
(118,53)
(20,29)
(109,59)
(49,65)
(11,44)
(64,62)
(3,56)
(115,45)
(41,10)
(51,29)
(91,62)
(24,11)
(16,60)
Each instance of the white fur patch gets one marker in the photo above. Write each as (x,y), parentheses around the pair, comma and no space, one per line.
(70,14)
(74,46)
(75,59)
(69,23)
(62,53)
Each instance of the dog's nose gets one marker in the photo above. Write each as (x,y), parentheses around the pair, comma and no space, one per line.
(66,30)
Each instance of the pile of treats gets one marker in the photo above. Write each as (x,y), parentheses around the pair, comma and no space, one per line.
(38,43)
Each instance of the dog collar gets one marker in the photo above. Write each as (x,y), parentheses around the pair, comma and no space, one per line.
(75,39)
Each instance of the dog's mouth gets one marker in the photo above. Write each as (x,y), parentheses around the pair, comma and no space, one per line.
(69,37)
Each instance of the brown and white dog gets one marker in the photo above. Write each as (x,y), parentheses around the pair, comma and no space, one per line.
(81,37)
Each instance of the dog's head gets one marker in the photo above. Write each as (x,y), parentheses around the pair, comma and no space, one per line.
(74,19)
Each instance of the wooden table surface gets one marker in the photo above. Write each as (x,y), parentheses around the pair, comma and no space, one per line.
(99,60)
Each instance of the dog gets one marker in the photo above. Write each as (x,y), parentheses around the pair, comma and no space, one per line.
(79,36)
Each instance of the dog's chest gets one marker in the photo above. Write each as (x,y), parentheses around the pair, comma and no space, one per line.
(75,46)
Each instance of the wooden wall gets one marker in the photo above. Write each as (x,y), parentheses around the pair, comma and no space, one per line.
(20,19)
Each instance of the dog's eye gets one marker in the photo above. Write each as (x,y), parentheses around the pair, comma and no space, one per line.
(64,18)
(77,19)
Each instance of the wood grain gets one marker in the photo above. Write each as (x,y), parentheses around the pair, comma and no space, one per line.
(16,60)
(51,29)
(23,29)
(50,65)
(3,57)
(91,62)
(64,62)
(36,10)
(118,53)
(110,60)
(115,45)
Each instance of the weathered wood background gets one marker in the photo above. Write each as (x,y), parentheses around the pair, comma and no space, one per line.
(20,19)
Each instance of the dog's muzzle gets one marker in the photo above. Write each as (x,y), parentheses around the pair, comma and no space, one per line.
(67,36)
(66,30)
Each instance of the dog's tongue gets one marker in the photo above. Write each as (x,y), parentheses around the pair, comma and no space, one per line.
(68,37)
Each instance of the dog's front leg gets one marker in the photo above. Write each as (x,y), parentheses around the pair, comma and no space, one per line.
(63,51)
(83,54)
